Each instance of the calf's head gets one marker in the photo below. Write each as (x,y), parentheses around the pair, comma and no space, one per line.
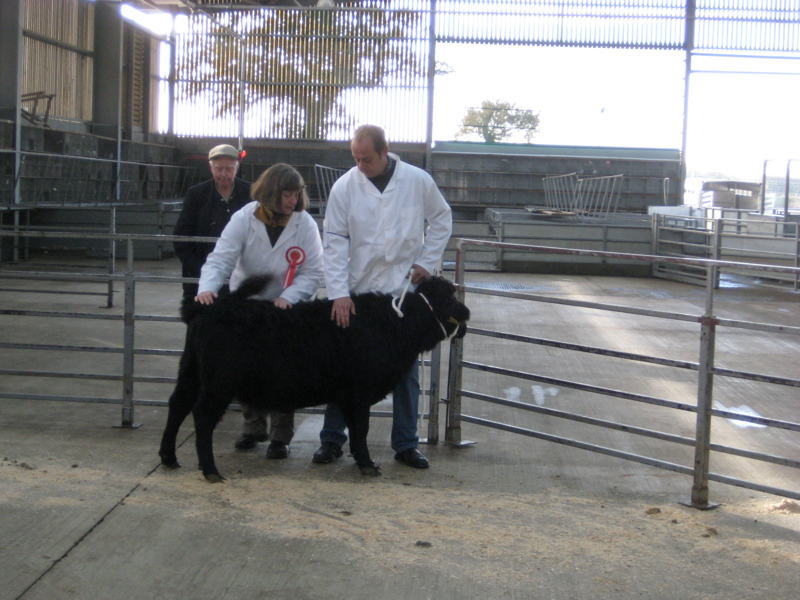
(448,310)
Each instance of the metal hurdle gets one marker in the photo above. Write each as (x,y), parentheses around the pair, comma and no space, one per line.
(326,177)
(589,197)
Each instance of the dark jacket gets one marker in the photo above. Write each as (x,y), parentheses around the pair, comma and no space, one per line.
(205,214)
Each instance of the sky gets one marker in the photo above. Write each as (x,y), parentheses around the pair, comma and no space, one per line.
(629,98)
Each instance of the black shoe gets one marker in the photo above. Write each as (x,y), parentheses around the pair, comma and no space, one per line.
(277,450)
(327,453)
(413,458)
(249,441)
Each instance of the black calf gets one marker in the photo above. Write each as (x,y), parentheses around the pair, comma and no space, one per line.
(283,360)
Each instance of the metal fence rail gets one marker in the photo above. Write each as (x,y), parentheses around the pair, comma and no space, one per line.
(59,179)
(559,192)
(776,242)
(594,197)
(326,177)
(128,320)
(704,367)
(598,196)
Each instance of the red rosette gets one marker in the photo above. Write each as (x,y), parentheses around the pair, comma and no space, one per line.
(294,256)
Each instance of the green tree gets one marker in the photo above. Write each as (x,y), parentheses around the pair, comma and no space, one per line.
(496,121)
(301,61)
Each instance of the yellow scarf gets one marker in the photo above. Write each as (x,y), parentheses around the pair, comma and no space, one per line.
(270,219)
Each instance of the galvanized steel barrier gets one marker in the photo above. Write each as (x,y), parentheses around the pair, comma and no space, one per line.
(582,197)
(705,368)
(776,242)
(128,349)
(128,319)
(326,177)
(47,179)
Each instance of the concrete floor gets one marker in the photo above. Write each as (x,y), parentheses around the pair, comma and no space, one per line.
(86,511)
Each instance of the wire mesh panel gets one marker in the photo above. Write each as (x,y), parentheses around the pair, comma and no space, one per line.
(559,192)
(326,177)
(312,73)
(589,197)
(754,25)
(598,196)
(587,23)
(303,74)
(58,54)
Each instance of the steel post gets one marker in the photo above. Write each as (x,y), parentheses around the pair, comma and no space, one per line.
(786,189)
(112,255)
(796,254)
(26,245)
(705,387)
(430,88)
(160,245)
(128,343)
(655,222)
(452,433)
(501,227)
(433,399)
(717,226)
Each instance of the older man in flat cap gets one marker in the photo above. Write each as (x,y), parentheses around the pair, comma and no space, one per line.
(207,209)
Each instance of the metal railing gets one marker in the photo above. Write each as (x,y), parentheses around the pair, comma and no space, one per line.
(705,367)
(756,241)
(588,197)
(128,319)
(47,179)
(326,177)
(20,247)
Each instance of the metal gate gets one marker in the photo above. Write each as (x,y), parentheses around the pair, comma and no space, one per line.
(721,234)
(705,367)
(580,198)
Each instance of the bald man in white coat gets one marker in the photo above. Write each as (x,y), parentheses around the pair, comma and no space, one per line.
(373,235)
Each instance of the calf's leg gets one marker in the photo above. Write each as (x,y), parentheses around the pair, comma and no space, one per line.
(357,419)
(207,413)
(181,402)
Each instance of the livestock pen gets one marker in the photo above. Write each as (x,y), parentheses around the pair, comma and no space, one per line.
(702,402)
(502,517)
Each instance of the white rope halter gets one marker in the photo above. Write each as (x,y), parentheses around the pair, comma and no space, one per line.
(397,302)
(444,331)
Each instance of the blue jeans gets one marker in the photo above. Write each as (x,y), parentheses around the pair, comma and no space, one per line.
(405,403)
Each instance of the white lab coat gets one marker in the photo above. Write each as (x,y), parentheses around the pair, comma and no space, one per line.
(371,239)
(244,250)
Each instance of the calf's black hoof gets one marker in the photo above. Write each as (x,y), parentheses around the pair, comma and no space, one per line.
(213,477)
(171,462)
(372,470)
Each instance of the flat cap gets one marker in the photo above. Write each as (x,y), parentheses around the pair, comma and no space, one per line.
(223,150)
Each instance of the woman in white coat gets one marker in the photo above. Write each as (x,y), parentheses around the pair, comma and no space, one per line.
(271,236)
